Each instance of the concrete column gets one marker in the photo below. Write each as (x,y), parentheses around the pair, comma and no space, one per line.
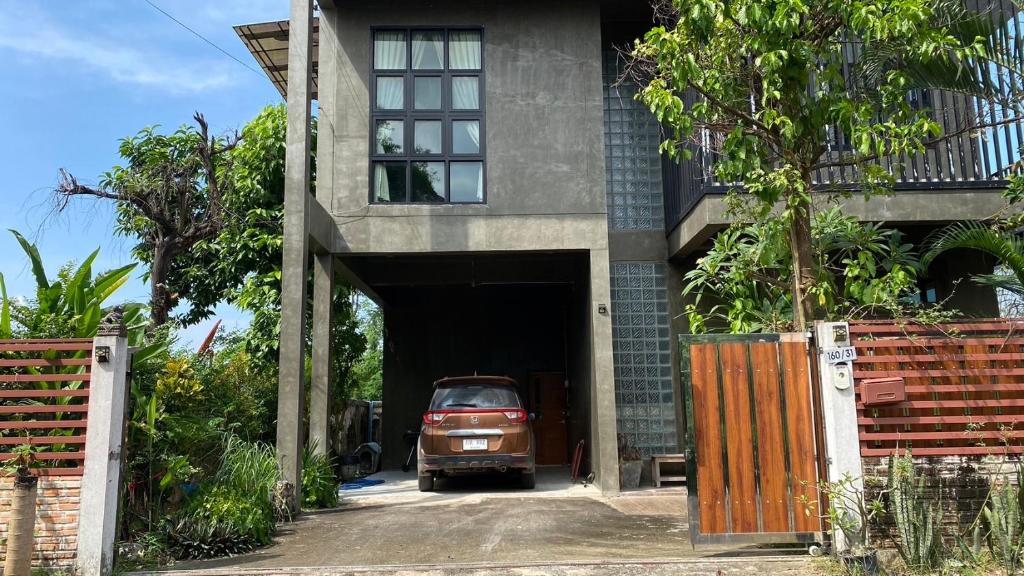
(603,421)
(839,414)
(104,437)
(323,322)
(291,380)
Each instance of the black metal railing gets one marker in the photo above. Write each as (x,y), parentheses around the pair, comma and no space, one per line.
(981,148)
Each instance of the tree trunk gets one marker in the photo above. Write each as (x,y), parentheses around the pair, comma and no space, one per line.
(21,526)
(802,254)
(160,300)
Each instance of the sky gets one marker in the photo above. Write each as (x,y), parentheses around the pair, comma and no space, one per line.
(75,77)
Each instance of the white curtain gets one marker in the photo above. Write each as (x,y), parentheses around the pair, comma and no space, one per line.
(389,50)
(390,93)
(473,129)
(464,50)
(427,50)
(465,93)
(380,183)
(480,183)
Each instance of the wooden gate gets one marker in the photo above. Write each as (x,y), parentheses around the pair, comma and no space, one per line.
(751,438)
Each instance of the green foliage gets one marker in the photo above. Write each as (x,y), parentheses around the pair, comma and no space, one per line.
(999,239)
(367,381)
(319,484)
(763,87)
(742,283)
(1005,524)
(234,512)
(70,306)
(918,520)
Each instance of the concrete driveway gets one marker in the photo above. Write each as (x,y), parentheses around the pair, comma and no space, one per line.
(476,523)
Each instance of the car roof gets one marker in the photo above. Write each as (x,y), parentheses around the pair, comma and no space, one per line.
(469,380)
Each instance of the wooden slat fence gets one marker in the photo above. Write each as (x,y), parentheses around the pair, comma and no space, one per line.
(44,401)
(964,384)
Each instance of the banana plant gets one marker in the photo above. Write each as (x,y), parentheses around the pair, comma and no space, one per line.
(71,306)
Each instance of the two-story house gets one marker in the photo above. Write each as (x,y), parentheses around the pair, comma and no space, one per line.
(481,177)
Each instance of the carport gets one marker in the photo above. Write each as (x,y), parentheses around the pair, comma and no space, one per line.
(522,315)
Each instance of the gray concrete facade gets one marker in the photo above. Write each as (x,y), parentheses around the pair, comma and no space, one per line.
(544,169)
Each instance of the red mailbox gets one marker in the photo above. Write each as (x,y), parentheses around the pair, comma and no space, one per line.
(881,391)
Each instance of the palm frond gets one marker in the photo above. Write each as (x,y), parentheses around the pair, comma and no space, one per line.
(1006,247)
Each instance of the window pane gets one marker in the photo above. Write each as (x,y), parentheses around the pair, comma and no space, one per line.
(389,182)
(428,182)
(390,136)
(464,50)
(467,181)
(428,93)
(465,137)
(428,50)
(427,137)
(390,93)
(465,93)
(389,50)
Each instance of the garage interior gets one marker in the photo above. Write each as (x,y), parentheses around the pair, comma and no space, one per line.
(522,315)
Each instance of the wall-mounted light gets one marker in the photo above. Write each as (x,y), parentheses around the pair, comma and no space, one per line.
(602,308)
(102,354)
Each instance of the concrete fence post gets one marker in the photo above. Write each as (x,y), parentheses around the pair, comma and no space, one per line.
(104,438)
(839,414)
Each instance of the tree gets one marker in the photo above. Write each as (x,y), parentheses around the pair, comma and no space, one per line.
(862,270)
(764,87)
(170,195)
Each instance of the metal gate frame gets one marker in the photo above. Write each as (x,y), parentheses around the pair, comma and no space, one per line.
(693,502)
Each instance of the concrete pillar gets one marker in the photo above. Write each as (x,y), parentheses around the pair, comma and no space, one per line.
(291,380)
(839,414)
(603,424)
(104,438)
(323,321)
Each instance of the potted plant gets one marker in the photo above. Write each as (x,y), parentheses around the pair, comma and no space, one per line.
(630,462)
(22,519)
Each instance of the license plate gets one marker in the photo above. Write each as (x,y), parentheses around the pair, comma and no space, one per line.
(474,444)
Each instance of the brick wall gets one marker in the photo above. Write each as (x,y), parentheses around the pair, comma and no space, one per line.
(56,530)
(962,482)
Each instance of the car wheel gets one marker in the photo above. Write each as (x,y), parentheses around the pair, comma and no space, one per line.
(529,480)
(426,483)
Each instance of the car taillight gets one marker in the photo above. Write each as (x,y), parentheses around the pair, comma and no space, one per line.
(516,416)
(432,418)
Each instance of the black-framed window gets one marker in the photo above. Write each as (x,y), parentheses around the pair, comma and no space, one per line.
(427,116)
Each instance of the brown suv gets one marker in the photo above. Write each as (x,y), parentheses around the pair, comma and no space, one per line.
(475,424)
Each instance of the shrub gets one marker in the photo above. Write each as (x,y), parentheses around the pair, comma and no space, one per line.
(319,484)
(222,520)
(235,511)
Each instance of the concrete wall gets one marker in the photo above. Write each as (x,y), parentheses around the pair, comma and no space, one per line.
(544,134)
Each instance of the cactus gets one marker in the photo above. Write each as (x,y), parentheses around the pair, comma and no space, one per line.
(1003,517)
(918,521)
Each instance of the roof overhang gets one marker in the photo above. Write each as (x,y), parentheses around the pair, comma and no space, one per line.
(268,44)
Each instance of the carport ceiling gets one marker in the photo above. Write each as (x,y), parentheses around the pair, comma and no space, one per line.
(560,268)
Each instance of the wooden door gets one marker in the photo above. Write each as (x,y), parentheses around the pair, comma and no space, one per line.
(550,405)
(752,464)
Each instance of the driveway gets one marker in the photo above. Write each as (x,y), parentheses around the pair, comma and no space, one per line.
(472,524)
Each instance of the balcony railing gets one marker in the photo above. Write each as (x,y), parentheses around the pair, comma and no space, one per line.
(971,158)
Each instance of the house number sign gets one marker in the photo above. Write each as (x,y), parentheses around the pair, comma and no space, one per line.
(840,355)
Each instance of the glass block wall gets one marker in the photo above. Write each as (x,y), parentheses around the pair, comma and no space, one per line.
(644,394)
(632,161)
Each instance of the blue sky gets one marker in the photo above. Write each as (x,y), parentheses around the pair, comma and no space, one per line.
(78,76)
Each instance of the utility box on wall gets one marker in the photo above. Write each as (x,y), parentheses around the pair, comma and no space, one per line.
(882,391)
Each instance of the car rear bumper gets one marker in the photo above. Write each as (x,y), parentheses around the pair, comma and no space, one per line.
(476,462)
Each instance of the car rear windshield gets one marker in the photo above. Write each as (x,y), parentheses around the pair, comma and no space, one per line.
(474,396)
